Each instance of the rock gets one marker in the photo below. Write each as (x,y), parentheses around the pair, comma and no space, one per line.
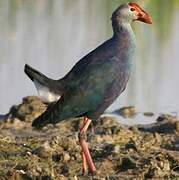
(16,123)
(116,149)
(30,108)
(20,175)
(166,117)
(164,124)
(177,126)
(43,151)
(66,156)
(134,128)
(148,114)
(61,157)
(127,112)
(131,145)
(127,163)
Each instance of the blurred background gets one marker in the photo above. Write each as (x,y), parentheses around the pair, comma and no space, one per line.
(52,35)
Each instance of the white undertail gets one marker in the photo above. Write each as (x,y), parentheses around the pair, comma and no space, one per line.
(45,94)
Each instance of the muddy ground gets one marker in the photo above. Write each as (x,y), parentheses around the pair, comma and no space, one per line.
(119,152)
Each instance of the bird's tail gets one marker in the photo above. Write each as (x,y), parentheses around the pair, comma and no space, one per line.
(49,90)
(35,75)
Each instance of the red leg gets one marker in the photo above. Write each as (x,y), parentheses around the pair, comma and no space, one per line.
(83,155)
(84,145)
(84,163)
(84,123)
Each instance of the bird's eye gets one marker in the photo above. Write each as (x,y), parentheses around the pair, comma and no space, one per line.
(132,9)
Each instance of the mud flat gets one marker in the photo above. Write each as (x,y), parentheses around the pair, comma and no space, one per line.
(119,152)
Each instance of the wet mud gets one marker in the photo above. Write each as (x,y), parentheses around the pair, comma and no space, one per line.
(119,151)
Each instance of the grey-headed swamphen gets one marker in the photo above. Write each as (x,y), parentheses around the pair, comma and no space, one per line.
(95,82)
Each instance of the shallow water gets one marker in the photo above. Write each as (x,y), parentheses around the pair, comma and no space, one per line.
(52,35)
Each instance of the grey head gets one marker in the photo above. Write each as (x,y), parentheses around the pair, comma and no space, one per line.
(129,12)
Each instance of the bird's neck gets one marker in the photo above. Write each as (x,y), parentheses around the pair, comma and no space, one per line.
(125,41)
(122,28)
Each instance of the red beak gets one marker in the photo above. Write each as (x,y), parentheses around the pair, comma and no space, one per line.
(144,18)
(142,15)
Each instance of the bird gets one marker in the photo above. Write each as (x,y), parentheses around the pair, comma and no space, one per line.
(94,82)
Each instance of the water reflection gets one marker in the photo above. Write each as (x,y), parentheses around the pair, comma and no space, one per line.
(51,35)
